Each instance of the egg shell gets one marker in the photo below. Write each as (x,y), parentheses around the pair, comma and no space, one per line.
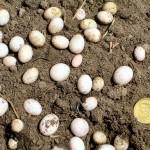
(1,36)
(76,143)
(17,125)
(79,127)
(90,103)
(121,143)
(105,147)
(88,23)
(15,43)
(30,75)
(32,107)
(99,137)
(97,84)
(77,60)
(80,15)
(123,75)
(139,53)
(59,72)
(9,61)
(56,25)
(4,17)
(52,12)
(84,84)
(37,38)
(25,53)
(92,35)
(105,17)
(3,50)
(12,144)
(49,124)
(76,44)
(60,42)
(3,106)
(110,7)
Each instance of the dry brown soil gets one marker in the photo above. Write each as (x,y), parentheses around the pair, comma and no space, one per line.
(114,114)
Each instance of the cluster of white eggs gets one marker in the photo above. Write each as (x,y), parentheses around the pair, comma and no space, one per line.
(60,72)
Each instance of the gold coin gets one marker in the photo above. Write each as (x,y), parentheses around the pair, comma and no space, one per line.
(142,111)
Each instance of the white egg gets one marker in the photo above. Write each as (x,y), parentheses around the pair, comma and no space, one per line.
(3,106)
(25,53)
(32,107)
(59,72)
(3,50)
(123,75)
(84,84)
(139,53)
(1,36)
(90,103)
(97,84)
(15,43)
(105,17)
(17,125)
(49,124)
(57,148)
(52,12)
(76,143)
(121,143)
(79,127)
(80,15)
(105,147)
(88,23)
(37,38)
(76,44)
(60,42)
(12,144)
(4,17)
(9,61)
(56,25)
(92,35)
(30,75)
(99,137)
(110,7)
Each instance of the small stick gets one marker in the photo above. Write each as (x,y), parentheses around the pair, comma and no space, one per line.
(79,9)
(110,47)
(108,28)
(11,104)
(64,11)
(54,136)
(114,45)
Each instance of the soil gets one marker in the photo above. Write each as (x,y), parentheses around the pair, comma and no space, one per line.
(114,114)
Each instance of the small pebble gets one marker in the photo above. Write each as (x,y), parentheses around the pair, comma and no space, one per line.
(22,12)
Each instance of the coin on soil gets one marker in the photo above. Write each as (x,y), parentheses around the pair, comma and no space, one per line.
(142,111)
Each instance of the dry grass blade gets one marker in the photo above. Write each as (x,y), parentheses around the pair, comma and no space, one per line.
(108,28)
(12,105)
(79,9)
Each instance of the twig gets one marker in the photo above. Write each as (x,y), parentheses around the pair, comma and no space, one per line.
(108,28)
(11,104)
(79,9)
(114,45)
(110,47)
(64,12)
(54,136)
